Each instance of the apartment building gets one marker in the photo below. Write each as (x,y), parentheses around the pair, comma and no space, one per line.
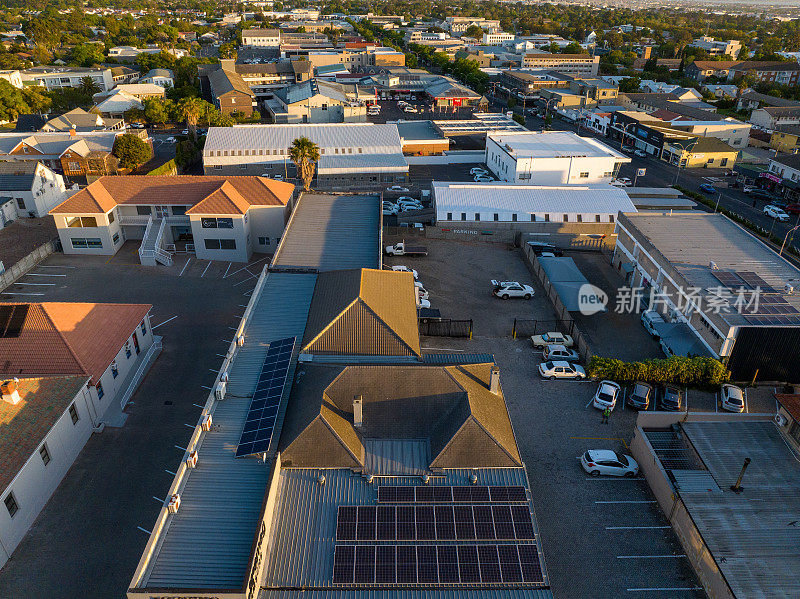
(262,78)
(774,117)
(718,47)
(317,101)
(68,368)
(551,158)
(785,73)
(231,93)
(216,218)
(497,39)
(457,26)
(33,187)
(261,38)
(54,77)
(569,64)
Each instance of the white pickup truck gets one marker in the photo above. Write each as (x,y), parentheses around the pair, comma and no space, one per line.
(401,249)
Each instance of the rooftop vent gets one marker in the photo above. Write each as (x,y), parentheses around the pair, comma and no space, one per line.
(712,265)
(358,413)
(9,391)
(494,380)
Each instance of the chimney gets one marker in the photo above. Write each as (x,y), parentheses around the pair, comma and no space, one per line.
(72,132)
(494,380)
(358,414)
(9,391)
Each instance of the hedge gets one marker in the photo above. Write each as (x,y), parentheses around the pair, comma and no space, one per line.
(168,168)
(693,372)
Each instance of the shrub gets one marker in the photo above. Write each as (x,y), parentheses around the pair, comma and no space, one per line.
(693,372)
(132,151)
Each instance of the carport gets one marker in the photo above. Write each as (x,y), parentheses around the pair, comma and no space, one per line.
(566,278)
(680,340)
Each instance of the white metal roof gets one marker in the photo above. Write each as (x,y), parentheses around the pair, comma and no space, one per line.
(554,144)
(366,163)
(599,198)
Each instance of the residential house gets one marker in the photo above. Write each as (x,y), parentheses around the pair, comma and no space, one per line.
(67,370)
(700,69)
(317,101)
(773,117)
(81,121)
(53,77)
(217,218)
(33,187)
(161,77)
(719,90)
(230,92)
(750,99)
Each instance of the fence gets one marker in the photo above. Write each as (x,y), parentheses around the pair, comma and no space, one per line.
(524,327)
(21,268)
(445,327)
(580,344)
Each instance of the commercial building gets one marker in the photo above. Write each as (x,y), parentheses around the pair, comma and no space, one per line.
(551,158)
(421,138)
(261,38)
(317,101)
(704,272)
(33,187)
(262,78)
(53,77)
(717,47)
(67,369)
(497,39)
(355,425)
(783,175)
(459,25)
(570,64)
(785,73)
(786,139)
(773,117)
(369,156)
(216,218)
(740,540)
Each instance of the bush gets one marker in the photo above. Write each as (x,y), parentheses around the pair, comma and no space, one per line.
(519,118)
(693,372)
(132,151)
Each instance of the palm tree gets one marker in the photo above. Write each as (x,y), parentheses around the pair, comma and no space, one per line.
(88,86)
(190,110)
(305,154)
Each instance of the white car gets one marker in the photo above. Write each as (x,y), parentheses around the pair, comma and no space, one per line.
(401,268)
(409,207)
(416,204)
(399,188)
(776,212)
(407,199)
(277,177)
(622,181)
(478,171)
(732,398)
(483,179)
(561,370)
(170,140)
(389,211)
(640,153)
(409,109)
(559,352)
(606,395)
(423,303)
(551,339)
(604,461)
(421,291)
(508,289)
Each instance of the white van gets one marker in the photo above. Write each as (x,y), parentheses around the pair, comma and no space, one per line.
(649,319)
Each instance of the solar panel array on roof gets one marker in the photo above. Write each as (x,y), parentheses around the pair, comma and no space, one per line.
(728,279)
(12,319)
(473,494)
(260,422)
(437,564)
(755,281)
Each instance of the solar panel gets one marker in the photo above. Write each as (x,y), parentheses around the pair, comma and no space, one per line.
(344,559)
(448,564)
(503,525)
(728,279)
(448,494)
(426,529)
(484,526)
(468,563)
(16,320)
(365,527)
(406,523)
(529,561)
(489,563)
(510,569)
(755,281)
(445,526)
(387,528)
(385,564)
(365,564)
(260,422)
(427,566)
(465,523)
(346,524)
(523,525)
(406,564)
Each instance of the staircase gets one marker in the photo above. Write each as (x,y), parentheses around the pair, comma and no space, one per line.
(151,251)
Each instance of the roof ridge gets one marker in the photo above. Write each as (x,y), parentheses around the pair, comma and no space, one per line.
(72,352)
(338,438)
(330,324)
(385,324)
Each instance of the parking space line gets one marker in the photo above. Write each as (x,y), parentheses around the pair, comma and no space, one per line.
(38,284)
(43,274)
(664,589)
(627,501)
(243,281)
(650,556)
(204,387)
(636,527)
(165,322)
(184,267)
(227,269)
(51,266)
(20,293)
(204,271)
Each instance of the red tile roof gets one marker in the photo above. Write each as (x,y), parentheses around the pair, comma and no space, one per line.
(68,339)
(107,192)
(25,425)
(790,403)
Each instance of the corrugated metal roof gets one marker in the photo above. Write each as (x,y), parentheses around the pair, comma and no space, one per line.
(428,593)
(301,544)
(333,164)
(207,543)
(332,232)
(404,457)
(599,198)
(554,144)
(752,536)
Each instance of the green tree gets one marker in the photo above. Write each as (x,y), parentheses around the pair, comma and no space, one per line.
(156,111)
(88,87)
(474,31)
(190,111)
(86,55)
(131,151)
(305,154)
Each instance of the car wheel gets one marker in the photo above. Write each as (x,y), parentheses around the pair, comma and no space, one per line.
(527,296)
(594,473)
(630,474)
(504,296)
(552,378)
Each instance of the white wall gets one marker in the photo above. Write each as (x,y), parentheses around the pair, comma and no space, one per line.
(8,213)
(34,483)
(103,231)
(266,221)
(238,233)
(48,191)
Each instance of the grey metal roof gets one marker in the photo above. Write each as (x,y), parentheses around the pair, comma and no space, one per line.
(752,535)
(343,164)
(332,232)
(207,543)
(302,539)
(429,593)
(17,176)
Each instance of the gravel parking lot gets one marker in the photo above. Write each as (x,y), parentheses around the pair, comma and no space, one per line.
(86,542)
(601,537)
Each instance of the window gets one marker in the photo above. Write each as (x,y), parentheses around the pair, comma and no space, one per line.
(566,218)
(220,244)
(216,223)
(114,369)
(212,244)
(143,210)
(580,218)
(724,162)
(73,166)
(21,203)
(127,349)
(463,216)
(45,454)
(11,504)
(525,176)
(477,216)
(263,241)
(143,327)
(547,218)
(82,221)
(73,413)
(710,161)
(611,218)
(83,242)
(533,218)
(449,216)
(584,175)
(496,217)
(100,392)
(111,217)
(115,238)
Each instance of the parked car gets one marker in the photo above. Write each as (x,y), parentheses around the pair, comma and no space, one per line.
(621,182)
(761,194)
(604,461)
(508,289)
(409,202)
(640,396)
(672,399)
(406,199)
(775,212)
(402,268)
(747,188)
(277,177)
(423,303)
(606,395)
(561,370)
(707,189)
(390,210)
(559,352)
(732,398)
(409,109)
(640,153)
(483,179)
(170,140)
(478,171)
(650,318)
(551,339)
(398,188)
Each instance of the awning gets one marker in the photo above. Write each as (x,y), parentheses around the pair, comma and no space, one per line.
(566,278)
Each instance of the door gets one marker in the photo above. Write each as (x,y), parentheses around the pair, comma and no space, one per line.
(136,344)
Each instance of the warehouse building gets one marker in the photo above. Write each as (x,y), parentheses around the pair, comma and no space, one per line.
(351,154)
(734,294)
(551,158)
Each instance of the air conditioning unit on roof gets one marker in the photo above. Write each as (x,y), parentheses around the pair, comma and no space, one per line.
(219,391)
(174,503)
(191,461)
(205,423)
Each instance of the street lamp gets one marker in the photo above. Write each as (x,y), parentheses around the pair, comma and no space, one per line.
(547,110)
(685,149)
(787,237)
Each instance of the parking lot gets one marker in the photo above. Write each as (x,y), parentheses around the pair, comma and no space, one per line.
(107,498)
(602,537)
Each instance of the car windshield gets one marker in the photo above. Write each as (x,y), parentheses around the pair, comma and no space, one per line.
(549,366)
(734,393)
(621,458)
(605,396)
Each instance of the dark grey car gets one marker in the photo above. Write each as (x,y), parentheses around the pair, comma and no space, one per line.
(640,396)
(672,399)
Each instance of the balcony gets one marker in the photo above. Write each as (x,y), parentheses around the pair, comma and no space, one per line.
(134,220)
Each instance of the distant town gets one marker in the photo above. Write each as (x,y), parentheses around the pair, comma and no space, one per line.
(399,300)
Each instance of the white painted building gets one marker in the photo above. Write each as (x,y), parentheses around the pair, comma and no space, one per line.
(216,218)
(34,188)
(497,39)
(54,77)
(504,203)
(551,158)
(261,38)
(14,77)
